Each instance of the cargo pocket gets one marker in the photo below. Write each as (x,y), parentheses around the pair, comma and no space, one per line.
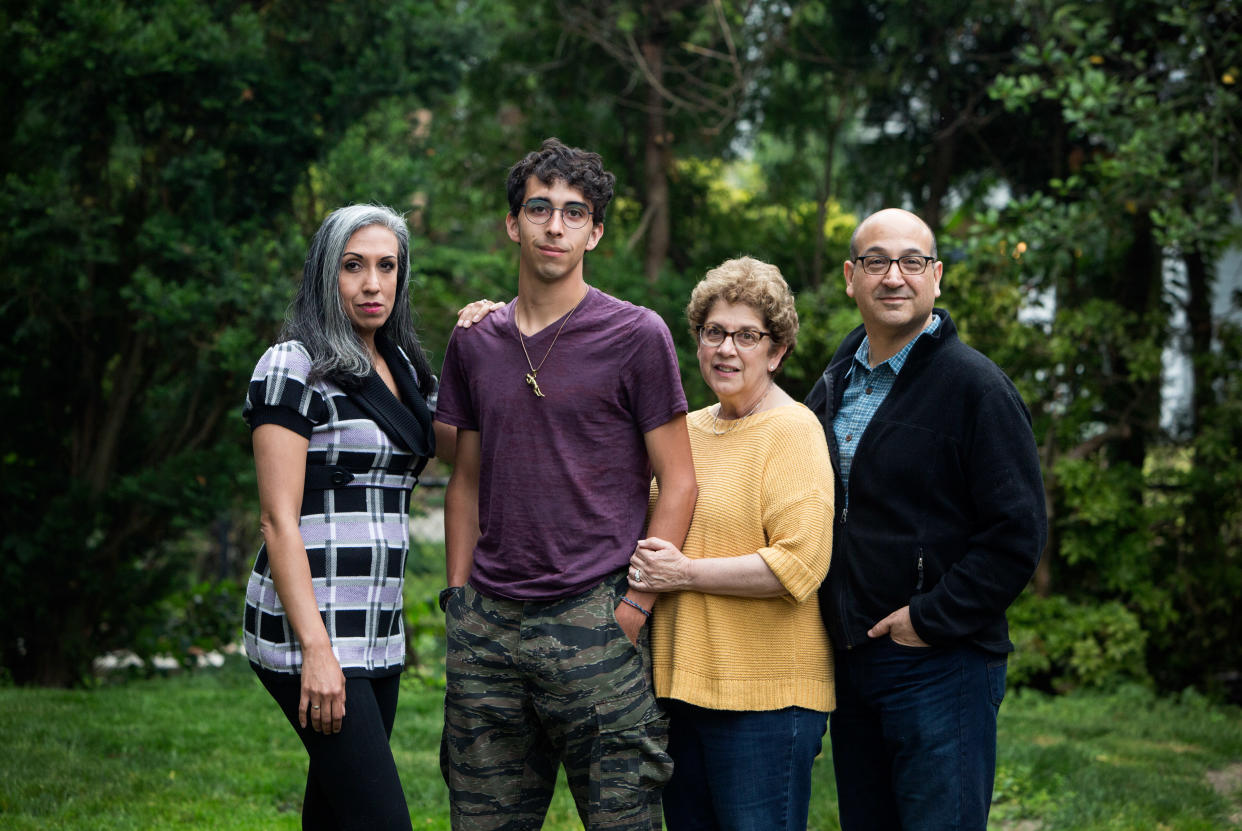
(631,762)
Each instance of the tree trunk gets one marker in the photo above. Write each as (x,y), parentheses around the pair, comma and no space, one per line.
(1137,289)
(941,173)
(1043,572)
(816,277)
(1204,511)
(1199,320)
(821,208)
(656,159)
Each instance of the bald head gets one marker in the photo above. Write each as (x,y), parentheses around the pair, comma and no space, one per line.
(892,216)
(896,297)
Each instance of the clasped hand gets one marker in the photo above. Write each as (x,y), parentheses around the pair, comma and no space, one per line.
(659,566)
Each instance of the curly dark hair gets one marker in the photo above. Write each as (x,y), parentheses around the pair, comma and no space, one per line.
(557,162)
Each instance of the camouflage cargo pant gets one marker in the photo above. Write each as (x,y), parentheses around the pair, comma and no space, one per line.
(531,685)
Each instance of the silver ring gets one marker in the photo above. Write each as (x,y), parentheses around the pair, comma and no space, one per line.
(314,706)
(638,576)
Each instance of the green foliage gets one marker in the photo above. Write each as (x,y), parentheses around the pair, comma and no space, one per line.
(718,205)
(424,624)
(1141,186)
(1194,496)
(825,316)
(151,160)
(191,622)
(163,163)
(1062,645)
(1100,530)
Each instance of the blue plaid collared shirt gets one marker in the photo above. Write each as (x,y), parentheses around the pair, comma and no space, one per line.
(865,390)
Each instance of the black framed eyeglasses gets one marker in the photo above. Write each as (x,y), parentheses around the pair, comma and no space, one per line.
(744,339)
(574,214)
(909,264)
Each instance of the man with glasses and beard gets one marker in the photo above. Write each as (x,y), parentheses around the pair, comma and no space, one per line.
(566,402)
(940,523)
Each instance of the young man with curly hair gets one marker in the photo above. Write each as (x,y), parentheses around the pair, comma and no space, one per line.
(566,401)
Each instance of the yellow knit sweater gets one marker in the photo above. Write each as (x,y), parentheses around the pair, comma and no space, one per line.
(766,486)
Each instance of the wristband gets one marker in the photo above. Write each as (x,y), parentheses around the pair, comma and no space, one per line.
(445,594)
(628,602)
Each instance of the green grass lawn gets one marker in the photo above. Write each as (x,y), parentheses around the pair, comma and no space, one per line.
(210,750)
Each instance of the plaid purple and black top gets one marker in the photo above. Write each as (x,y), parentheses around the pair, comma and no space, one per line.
(355,507)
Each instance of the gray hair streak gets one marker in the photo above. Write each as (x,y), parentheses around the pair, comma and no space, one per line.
(317,317)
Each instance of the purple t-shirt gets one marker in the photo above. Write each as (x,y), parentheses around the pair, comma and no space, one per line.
(563,479)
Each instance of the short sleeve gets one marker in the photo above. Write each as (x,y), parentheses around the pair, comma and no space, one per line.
(651,376)
(280,392)
(797,506)
(453,404)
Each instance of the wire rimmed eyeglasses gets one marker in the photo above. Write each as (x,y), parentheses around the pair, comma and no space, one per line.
(744,339)
(573,214)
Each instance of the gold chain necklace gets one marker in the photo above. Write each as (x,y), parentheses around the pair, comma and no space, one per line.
(734,423)
(532,376)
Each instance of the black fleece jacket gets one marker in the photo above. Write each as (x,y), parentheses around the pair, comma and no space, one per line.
(946,500)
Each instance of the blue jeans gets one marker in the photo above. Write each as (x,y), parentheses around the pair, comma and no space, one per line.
(914,736)
(740,770)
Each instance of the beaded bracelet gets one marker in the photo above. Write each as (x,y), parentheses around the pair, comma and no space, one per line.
(629,602)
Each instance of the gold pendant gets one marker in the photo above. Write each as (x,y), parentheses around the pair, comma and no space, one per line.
(534,385)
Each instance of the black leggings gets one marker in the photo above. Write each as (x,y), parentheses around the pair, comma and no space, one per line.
(352,781)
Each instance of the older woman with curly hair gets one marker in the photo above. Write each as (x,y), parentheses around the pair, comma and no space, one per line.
(741,659)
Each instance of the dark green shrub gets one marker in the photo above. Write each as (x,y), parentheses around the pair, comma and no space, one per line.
(1062,645)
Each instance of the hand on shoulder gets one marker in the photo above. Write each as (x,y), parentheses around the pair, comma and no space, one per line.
(472,313)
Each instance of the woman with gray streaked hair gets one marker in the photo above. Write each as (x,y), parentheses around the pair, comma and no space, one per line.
(341,429)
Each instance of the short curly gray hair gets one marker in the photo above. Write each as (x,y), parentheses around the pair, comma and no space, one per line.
(756,284)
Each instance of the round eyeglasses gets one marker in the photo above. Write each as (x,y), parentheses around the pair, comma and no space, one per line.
(743,339)
(911,264)
(574,214)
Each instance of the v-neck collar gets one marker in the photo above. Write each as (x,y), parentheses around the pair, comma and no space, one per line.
(407,421)
(553,327)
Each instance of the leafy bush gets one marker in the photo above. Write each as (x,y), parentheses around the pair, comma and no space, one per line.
(1062,645)
(424,626)
(158,155)
(203,617)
